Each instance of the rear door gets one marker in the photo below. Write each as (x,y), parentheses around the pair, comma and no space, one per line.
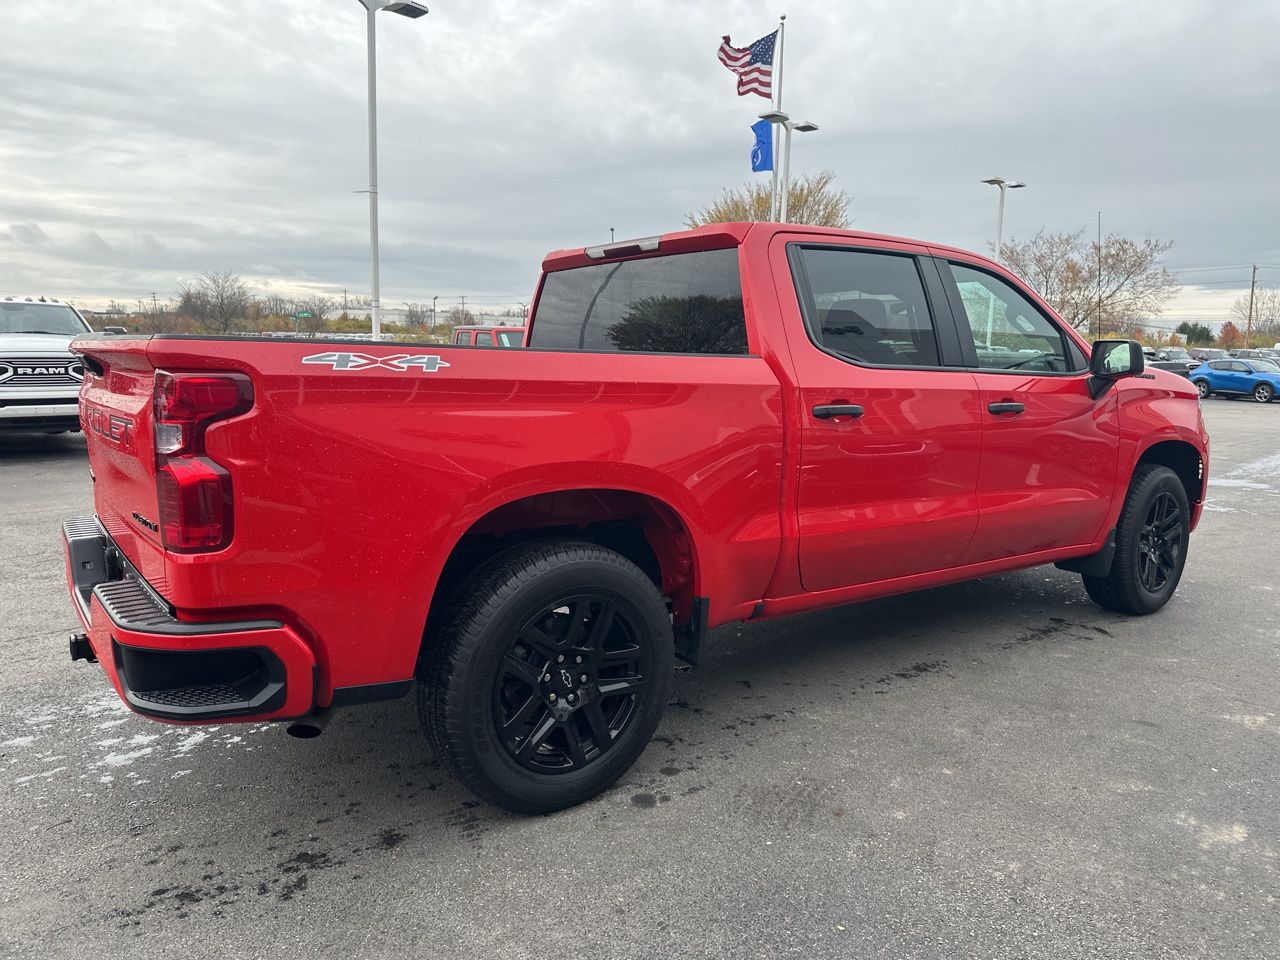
(891,429)
(1050,450)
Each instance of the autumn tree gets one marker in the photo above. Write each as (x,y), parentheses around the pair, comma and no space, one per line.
(1095,290)
(1230,336)
(217,301)
(1196,333)
(812,199)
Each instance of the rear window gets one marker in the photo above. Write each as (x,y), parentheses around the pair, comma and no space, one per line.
(510,338)
(685,303)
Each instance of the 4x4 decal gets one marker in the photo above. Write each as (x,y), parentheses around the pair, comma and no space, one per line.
(402,362)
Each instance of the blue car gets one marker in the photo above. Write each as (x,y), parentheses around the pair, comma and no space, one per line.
(1255,378)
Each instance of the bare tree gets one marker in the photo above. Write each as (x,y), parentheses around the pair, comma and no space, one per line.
(458,316)
(1266,314)
(415,316)
(1096,289)
(319,307)
(811,199)
(216,300)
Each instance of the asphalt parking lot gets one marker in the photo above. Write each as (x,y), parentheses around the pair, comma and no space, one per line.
(997,769)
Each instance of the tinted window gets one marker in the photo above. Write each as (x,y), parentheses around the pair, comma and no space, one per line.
(510,338)
(684,303)
(868,307)
(1220,364)
(484,339)
(1238,366)
(1009,332)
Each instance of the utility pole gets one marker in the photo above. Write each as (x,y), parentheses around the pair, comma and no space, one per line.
(464,309)
(1248,327)
(1099,335)
(156,309)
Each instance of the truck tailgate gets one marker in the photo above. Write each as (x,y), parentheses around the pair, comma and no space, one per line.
(115,412)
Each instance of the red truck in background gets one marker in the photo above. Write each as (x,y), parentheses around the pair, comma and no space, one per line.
(731,423)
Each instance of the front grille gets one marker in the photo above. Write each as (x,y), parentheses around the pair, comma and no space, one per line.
(40,371)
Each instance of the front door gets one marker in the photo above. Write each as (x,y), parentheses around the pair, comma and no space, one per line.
(890,435)
(1050,450)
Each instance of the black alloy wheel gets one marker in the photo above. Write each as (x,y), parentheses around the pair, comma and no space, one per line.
(1160,542)
(547,675)
(1151,537)
(569,684)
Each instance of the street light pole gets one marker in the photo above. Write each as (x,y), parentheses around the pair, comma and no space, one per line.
(777,117)
(433,313)
(375,307)
(1003,184)
(371,8)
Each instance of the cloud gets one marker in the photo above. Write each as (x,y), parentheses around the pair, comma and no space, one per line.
(28,234)
(146,143)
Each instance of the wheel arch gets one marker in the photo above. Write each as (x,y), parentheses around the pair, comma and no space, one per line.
(1184,459)
(642,526)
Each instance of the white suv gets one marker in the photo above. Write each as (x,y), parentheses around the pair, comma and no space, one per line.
(39,377)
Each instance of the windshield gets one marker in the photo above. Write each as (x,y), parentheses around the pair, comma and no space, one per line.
(1264,366)
(40,318)
(1177,354)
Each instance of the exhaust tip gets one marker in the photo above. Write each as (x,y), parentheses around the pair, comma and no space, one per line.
(308,727)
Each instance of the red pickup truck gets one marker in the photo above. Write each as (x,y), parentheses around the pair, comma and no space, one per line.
(731,423)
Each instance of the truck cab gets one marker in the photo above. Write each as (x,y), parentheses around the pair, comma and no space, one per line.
(39,377)
(486,336)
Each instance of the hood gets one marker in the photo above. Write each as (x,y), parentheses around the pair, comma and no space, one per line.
(38,344)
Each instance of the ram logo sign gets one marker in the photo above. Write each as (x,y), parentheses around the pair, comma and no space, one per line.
(401,362)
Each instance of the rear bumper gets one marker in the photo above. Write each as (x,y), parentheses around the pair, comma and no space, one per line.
(28,415)
(171,669)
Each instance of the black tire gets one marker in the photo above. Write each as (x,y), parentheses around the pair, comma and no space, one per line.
(494,662)
(1151,545)
(1264,392)
(1203,386)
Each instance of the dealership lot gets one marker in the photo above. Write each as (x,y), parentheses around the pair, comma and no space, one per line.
(993,769)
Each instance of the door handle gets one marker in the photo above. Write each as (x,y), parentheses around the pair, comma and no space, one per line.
(825,411)
(1005,407)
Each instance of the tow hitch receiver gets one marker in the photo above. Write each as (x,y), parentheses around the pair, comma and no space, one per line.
(81,649)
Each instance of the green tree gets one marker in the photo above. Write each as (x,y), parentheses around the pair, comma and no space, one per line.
(811,199)
(1196,333)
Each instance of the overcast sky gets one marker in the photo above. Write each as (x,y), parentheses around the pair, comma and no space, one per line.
(143,142)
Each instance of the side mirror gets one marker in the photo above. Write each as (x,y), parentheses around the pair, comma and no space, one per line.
(115,331)
(1111,360)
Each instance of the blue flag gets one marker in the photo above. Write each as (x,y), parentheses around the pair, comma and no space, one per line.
(762,152)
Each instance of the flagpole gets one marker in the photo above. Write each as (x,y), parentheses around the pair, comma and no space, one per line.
(775,205)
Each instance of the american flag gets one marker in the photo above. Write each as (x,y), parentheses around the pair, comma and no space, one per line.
(753,65)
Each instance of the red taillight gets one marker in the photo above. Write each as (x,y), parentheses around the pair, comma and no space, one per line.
(194,492)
